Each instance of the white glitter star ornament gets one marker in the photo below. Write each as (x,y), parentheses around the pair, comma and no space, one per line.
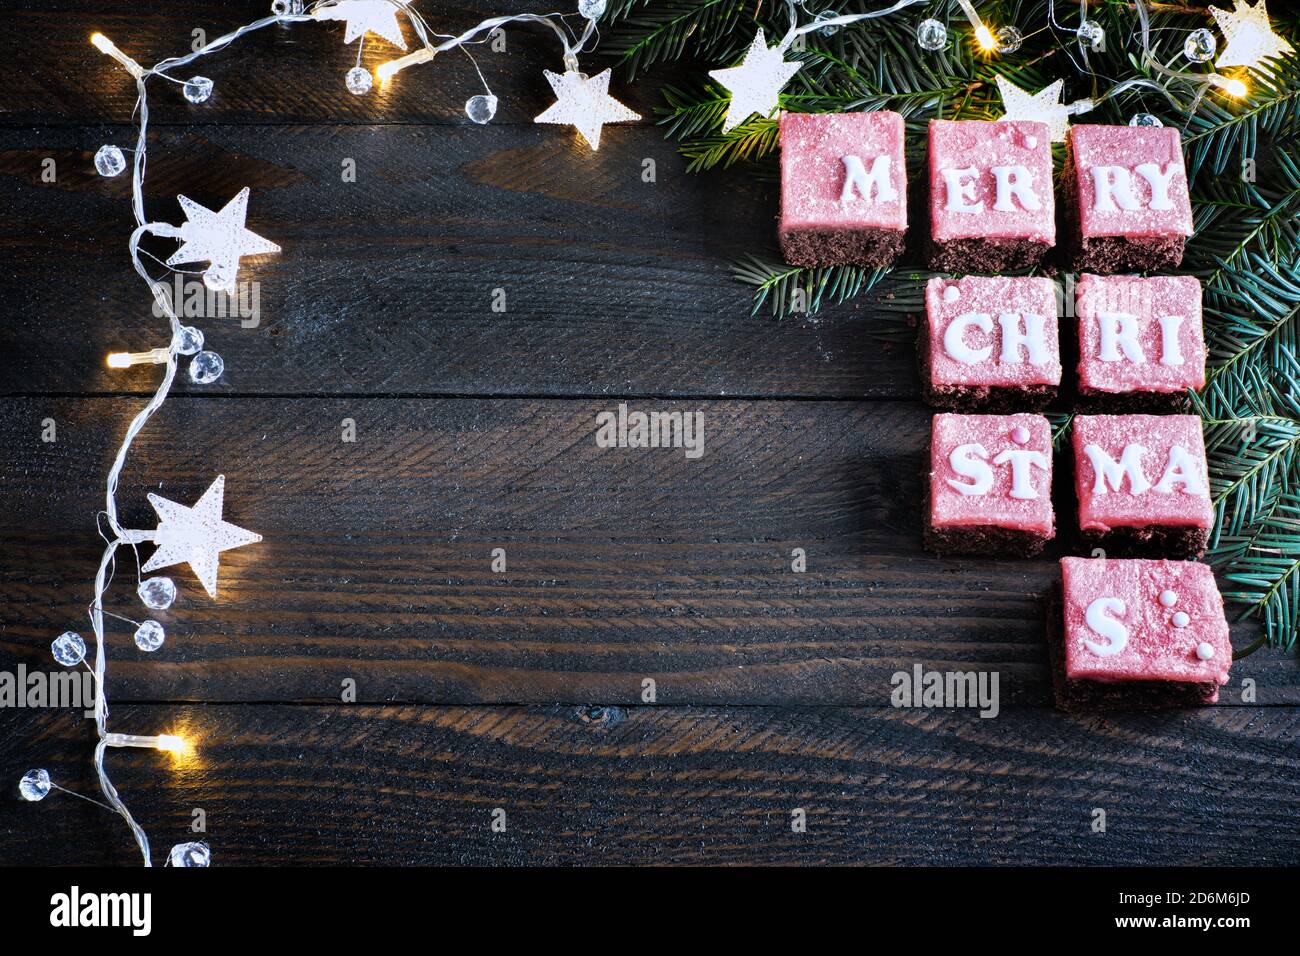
(584,102)
(1045,106)
(366,16)
(1249,34)
(194,535)
(757,83)
(218,238)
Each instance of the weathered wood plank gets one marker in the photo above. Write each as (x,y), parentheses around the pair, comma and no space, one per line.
(277,75)
(622,564)
(387,285)
(358,784)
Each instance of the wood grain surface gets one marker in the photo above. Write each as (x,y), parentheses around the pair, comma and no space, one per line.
(475,430)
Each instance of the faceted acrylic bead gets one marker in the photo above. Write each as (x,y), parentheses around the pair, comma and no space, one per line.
(206,368)
(34,785)
(1091,35)
(1144,119)
(109,161)
(931,34)
(69,649)
(157,593)
(828,31)
(197,89)
(149,636)
(481,108)
(359,80)
(191,340)
(1199,45)
(190,854)
(591,9)
(1008,39)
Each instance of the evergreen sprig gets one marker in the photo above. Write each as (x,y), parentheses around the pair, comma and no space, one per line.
(1243,162)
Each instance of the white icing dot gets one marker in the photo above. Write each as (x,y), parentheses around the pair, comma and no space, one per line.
(1031,142)
(1204,650)
(1020,435)
(1168,598)
(950,294)
(1181,619)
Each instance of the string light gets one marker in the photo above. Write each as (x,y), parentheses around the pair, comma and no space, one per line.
(196,535)
(1006,39)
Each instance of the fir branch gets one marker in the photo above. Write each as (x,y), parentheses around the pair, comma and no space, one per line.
(789,290)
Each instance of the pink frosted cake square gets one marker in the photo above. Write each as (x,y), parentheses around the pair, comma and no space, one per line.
(1143,485)
(1127,192)
(990,485)
(843,188)
(1138,635)
(990,343)
(991,202)
(1140,340)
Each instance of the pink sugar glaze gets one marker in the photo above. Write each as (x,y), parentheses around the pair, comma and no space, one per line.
(813,146)
(947,299)
(950,508)
(983,145)
(1127,146)
(1149,300)
(1157,434)
(1154,647)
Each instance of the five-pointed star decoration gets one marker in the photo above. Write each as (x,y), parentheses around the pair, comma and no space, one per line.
(584,102)
(366,16)
(195,535)
(1044,106)
(757,83)
(218,238)
(1249,34)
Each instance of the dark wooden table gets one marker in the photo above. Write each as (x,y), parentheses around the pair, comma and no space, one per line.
(520,690)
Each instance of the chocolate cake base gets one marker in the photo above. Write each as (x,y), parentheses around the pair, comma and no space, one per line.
(987,541)
(1152,403)
(1110,254)
(875,248)
(1091,696)
(992,399)
(985,255)
(1151,541)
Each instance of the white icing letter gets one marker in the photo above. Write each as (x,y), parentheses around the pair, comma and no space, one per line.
(954,342)
(1119,328)
(961,196)
(1022,461)
(857,177)
(1182,469)
(1102,624)
(1170,353)
(1111,183)
(1108,471)
(1031,340)
(1017,181)
(971,461)
(1159,180)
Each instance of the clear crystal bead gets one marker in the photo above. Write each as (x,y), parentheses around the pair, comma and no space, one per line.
(1091,35)
(1200,45)
(69,649)
(34,785)
(149,636)
(1008,39)
(157,593)
(190,854)
(591,9)
(206,368)
(109,161)
(481,108)
(359,80)
(219,278)
(197,89)
(825,15)
(191,340)
(1144,119)
(931,34)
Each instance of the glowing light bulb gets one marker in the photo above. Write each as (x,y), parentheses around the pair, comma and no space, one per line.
(1229,84)
(171,743)
(104,45)
(127,359)
(984,37)
(386,71)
